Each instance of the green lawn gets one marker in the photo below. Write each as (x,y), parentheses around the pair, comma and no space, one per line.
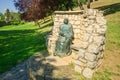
(17,43)
(110,69)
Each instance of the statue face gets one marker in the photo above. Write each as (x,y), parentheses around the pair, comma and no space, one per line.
(66,21)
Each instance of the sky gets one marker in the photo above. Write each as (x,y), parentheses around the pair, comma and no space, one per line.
(4,4)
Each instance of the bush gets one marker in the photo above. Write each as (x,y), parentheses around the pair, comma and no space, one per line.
(14,23)
(2,23)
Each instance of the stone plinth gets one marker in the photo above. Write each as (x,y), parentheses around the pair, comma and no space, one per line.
(89,29)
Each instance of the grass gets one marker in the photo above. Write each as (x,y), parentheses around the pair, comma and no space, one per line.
(110,69)
(17,43)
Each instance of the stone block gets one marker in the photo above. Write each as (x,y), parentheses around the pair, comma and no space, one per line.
(88,73)
(77,62)
(92,17)
(86,25)
(86,37)
(100,55)
(99,63)
(93,48)
(76,31)
(81,53)
(98,40)
(77,23)
(90,57)
(91,65)
(90,39)
(89,29)
(101,20)
(75,55)
(101,31)
(82,60)
(78,68)
(84,45)
(89,12)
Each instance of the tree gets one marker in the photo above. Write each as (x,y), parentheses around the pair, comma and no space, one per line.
(81,2)
(7,15)
(38,9)
(1,17)
(15,16)
(33,10)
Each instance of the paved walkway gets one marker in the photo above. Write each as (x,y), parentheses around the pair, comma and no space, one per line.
(16,73)
(19,72)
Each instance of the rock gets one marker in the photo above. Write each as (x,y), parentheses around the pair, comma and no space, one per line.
(92,65)
(90,39)
(100,20)
(99,40)
(90,56)
(88,73)
(76,30)
(77,62)
(72,22)
(75,55)
(84,45)
(86,24)
(77,22)
(86,37)
(81,53)
(89,29)
(91,22)
(100,55)
(99,63)
(91,17)
(93,48)
(90,12)
(101,31)
(82,60)
(78,68)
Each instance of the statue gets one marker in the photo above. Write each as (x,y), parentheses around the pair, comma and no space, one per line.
(63,44)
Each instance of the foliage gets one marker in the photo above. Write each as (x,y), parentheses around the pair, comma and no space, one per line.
(7,15)
(16,23)
(38,9)
(2,23)
(1,17)
(15,16)
(83,1)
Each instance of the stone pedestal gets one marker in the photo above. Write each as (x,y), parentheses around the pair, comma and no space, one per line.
(89,29)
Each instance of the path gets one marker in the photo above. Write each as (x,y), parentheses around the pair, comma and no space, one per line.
(18,72)
(53,68)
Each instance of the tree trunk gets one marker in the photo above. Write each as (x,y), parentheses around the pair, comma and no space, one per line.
(80,5)
(88,3)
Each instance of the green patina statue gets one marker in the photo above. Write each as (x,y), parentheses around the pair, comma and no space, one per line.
(63,44)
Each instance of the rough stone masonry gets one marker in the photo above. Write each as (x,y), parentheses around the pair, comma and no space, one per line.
(89,29)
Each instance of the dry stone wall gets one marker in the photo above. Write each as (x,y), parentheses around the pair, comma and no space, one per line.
(89,29)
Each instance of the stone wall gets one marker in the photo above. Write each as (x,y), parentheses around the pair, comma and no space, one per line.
(89,29)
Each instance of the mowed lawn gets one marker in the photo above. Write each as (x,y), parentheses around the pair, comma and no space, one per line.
(19,42)
(110,68)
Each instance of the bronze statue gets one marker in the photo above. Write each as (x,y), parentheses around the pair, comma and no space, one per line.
(63,44)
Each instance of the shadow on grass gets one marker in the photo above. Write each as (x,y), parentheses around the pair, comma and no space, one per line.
(18,45)
(110,9)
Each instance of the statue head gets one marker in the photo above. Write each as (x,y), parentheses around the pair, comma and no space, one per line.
(65,21)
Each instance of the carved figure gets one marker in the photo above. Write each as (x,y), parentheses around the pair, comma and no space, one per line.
(63,44)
